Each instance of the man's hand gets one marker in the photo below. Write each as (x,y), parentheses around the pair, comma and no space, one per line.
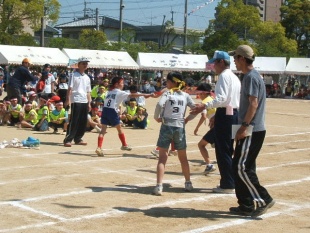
(197,109)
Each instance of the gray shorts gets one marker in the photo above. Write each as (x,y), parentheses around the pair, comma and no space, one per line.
(168,134)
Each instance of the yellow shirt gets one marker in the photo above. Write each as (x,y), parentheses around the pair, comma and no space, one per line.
(211,111)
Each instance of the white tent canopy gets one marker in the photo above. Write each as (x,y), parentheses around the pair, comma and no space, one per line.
(103,59)
(265,65)
(168,61)
(298,66)
(13,55)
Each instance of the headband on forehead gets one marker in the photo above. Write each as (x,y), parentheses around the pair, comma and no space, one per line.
(59,104)
(28,105)
(43,99)
(13,99)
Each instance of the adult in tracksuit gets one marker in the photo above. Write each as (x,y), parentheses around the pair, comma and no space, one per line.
(79,99)
(253,199)
(226,102)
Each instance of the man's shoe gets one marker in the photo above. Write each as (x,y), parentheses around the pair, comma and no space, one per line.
(158,190)
(209,168)
(239,211)
(155,153)
(188,186)
(261,210)
(99,152)
(67,144)
(81,143)
(218,189)
(126,148)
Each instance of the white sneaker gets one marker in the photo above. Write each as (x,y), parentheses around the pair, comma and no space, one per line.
(209,168)
(188,186)
(99,152)
(126,148)
(173,153)
(158,190)
(218,189)
(155,153)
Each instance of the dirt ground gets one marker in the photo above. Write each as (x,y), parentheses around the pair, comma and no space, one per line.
(57,189)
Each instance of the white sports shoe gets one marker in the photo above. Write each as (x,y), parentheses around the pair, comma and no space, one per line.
(158,190)
(173,153)
(99,152)
(218,189)
(209,168)
(188,186)
(155,153)
(126,148)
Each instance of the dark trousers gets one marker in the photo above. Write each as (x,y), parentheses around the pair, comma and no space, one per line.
(224,145)
(248,189)
(14,92)
(77,122)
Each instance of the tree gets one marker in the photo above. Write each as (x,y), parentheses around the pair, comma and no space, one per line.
(61,42)
(270,40)
(16,15)
(237,23)
(295,16)
(230,27)
(92,39)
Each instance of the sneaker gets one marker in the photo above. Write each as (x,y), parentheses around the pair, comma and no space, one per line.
(239,211)
(218,189)
(158,190)
(99,152)
(55,131)
(188,186)
(261,210)
(209,168)
(126,147)
(172,153)
(155,153)
(67,144)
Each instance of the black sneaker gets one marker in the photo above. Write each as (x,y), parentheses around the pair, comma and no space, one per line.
(261,210)
(239,211)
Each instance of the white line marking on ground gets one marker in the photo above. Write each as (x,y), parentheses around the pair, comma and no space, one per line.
(243,221)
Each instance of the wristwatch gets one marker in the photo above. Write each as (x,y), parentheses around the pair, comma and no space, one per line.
(245,124)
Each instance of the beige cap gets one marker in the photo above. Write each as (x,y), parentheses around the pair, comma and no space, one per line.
(244,51)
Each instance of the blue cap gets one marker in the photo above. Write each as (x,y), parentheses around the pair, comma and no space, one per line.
(219,55)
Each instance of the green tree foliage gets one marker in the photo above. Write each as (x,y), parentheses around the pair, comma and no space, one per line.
(17,15)
(270,40)
(230,27)
(295,16)
(63,43)
(237,23)
(92,39)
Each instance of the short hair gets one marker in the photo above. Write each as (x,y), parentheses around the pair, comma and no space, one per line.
(204,87)
(133,88)
(116,80)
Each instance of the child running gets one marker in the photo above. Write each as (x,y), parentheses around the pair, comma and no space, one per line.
(110,112)
(205,95)
(170,111)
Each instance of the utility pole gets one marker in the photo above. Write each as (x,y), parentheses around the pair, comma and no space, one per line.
(172,12)
(121,7)
(185,28)
(43,26)
(97,19)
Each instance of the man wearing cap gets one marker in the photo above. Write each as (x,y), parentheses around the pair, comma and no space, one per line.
(50,82)
(226,101)
(21,76)
(253,199)
(79,99)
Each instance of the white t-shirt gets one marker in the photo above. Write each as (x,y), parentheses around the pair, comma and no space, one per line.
(48,83)
(80,86)
(114,99)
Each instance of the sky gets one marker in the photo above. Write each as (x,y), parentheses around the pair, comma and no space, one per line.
(144,12)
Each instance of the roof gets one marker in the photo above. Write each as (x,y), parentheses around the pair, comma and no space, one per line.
(265,65)
(103,58)
(10,54)
(300,66)
(91,22)
(170,61)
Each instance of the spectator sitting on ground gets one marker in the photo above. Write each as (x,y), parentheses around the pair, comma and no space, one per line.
(14,112)
(43,115)
(2,112)
(141,121)
(93,119)
(129,115)
(140,100)
(32,98)
(29,118)
(59,118)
